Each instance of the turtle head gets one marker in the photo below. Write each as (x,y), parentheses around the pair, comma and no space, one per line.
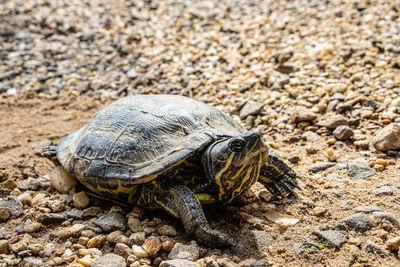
(233,164)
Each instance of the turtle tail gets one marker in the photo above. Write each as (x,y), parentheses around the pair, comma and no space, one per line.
(50,152)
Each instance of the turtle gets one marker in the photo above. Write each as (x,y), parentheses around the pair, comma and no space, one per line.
(172,153)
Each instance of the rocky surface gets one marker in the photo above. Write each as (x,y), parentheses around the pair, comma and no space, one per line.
(360,168)
(333,238)
(110,260)
(188,252)
(179,263)
(326,99)
(111,222)
(360,222)
(388,137)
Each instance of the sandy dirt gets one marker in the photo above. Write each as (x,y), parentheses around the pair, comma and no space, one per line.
(299,62)
(25,122)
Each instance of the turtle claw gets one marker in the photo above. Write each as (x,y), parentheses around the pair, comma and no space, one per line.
(185,205)
(213,238)
(278,177)
(286,184)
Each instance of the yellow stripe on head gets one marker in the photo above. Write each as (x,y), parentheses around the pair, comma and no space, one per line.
(219,175)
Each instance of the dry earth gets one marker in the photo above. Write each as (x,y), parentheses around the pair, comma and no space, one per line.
(302,69)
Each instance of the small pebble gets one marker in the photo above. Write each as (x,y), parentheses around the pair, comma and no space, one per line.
(88,260)
(354,241)
(39,199)
(302,115)
(319,211)
(367,209)
(393,243)
(5,214)
(131,259)
(346,205)
(388,217)
(225,262)
(13,204)
(31,227)
(382,184)
(251,108)
(50,218)
(333,238)
(167,230)
(311,150)
(139,252)
(4,246)
(311,136)
(18,247)
(384,191)
(122,250)
(362,144)
(320,166)
(338,179)
(134,224)
(152,245)
(388,137)
(114,237)
(188,252)
(294,159)
(382,162)
(31,261)
(331,141)
(81,201)
(259,263)
(88,251)
(137,238)
(109,259)
(375,249)
(25,198)
(378,167)
(48,249)
(73,231)
(111,222)
(167,245)
(265,195)
(331,154)
(96,241)
(359,168)
(57,206)
(359,222)
(62,181)
(343,132)
(333,121)
(132,74)
(178,263)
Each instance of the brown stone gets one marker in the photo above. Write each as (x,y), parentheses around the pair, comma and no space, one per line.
(388,138)
(152,245)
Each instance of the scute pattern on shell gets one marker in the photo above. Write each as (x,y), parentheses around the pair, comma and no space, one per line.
(139,136)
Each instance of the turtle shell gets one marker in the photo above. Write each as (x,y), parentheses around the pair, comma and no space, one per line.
(138,137)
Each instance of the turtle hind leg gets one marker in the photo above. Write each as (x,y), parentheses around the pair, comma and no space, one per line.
(278,177)
(181,202)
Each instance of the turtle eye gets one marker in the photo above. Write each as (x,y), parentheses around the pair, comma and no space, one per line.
(237,144)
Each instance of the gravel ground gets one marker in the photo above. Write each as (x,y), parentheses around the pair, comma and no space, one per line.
(320,79)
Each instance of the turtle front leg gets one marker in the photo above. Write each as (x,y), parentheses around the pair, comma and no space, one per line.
(278,177)
(182,203)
